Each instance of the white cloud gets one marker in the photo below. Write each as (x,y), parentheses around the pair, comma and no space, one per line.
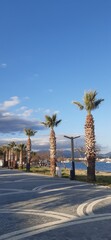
(47,111)
(3,65)
(23,108)
(10,103)
(27,113)
(39,110)
(41,142)
(10,123)
(7,114)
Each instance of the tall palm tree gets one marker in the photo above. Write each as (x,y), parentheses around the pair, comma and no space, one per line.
(29,132)
(16,154)
(90,103)
(22,149)
(12,145)
(4,150)
(52,122)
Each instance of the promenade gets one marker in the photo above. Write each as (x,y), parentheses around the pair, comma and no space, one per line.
(39,207)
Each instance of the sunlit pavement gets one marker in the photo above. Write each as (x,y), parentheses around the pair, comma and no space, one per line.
(38,207)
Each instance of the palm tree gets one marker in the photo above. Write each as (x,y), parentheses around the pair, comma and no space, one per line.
(4,150)
(22,149)
(16,153)
(52,122)
(12,145)
(90,103)
(29,132)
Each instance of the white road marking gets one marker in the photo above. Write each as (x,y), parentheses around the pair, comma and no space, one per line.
(80,209)
(55,189)
(27,232)
(56,215)
(89,209)
(89,206)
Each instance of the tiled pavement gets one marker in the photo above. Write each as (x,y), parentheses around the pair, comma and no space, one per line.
(36,207)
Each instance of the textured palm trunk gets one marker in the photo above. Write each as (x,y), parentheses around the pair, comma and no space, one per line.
(21,160)
(16,158)
(52,153)
(6,158)
(12,158)
(9,158)
(90,148)
(28,153)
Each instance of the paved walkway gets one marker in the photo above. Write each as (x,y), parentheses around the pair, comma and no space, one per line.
(36,207)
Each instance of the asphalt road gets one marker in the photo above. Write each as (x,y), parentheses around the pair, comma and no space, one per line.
(36,207)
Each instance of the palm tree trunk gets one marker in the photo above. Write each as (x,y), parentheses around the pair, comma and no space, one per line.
(9,158)
(90,148)
(6,158)
(16,158)
(52,153)
(28,154)
(21,160)
(12,158)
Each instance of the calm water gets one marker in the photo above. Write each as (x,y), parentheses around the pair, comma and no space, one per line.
(100,166)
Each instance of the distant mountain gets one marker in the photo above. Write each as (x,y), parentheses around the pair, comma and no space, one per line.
(104,155)
(77,154)
(68,154)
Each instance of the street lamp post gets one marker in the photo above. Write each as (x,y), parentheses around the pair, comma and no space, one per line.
(72,171)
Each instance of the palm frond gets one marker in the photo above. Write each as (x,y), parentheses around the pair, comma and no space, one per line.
(48,118)
(29,132)
(90,101)
(51,122)
(54,117)
(44,123)
(79,105)
(57,122)
(97,102)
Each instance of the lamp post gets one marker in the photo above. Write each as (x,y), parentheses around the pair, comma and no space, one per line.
(72,171)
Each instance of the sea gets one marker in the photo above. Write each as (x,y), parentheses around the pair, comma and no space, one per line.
(100,166)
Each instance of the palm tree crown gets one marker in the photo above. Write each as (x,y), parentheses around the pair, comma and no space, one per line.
(29,132)
(90,102)
(51,122)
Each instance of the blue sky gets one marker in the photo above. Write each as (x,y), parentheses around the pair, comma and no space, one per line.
(51,52)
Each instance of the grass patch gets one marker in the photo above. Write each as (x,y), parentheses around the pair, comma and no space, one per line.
(102,178)
(40,170)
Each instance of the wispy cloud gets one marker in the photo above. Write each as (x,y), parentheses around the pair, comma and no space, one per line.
(7,114)
(41,143)
(22,108)
(26,113)
(10,103)
(16,121)
(12,123)
(20,117)
(39,110)
(50,90)
(26,98)
(47,111)
(3,65)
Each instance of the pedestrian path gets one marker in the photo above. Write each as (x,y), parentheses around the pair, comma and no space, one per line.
(37,208)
